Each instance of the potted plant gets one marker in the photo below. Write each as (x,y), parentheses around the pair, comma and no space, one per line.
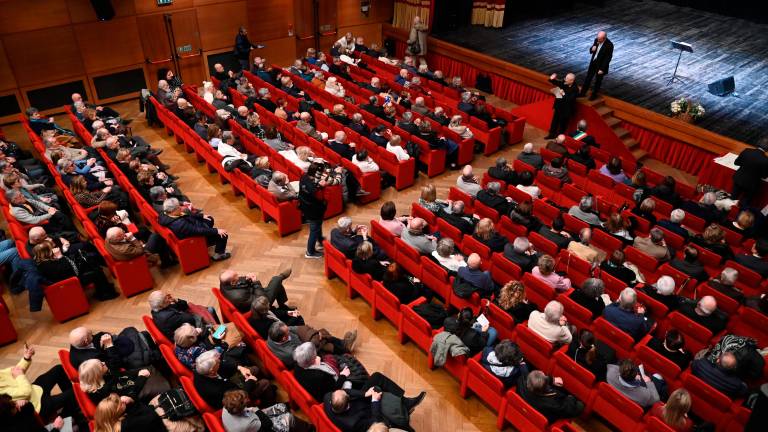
(686,110)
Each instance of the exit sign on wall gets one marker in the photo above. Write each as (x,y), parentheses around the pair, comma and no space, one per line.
(164,2)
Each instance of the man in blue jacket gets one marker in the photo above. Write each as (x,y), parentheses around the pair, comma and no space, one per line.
(186,224)
(626,316)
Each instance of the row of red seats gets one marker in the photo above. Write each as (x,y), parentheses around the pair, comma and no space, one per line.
(536,350)
(285,214)
(192,252)
(332,194)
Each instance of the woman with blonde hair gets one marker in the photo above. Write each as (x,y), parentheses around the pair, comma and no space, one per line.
(97,381)
(545,272)
(429,201)
(116,414)
(85,197)
(486,234)
(675,412)
(365,263)
(512,299)
(262,172)
(463,131)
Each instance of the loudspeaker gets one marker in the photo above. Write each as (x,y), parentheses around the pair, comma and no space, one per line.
(722,87)
(104,10)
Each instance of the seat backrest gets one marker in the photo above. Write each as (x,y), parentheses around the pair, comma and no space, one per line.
(611,335)
(155,332)
(213,423)
(697,336)
(658,363)
(542,244)
(472,245)
(524,417)
(67,365)
(619,410)
(504,270)
(536,349)
(643,261)
(178,368)
(419,211)
(538,291)
(576,378)
(197,400)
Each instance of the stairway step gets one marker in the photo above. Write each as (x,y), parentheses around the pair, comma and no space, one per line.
(612,121)
(604,110)
(621,132)
(599,102)
(630,142)
(639,154)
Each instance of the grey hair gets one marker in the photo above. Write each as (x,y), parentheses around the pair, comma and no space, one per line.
(709,198)
(171,204)
(263,91)
(445,247)
(11,194)
(156,300)
(593,287)
(665,285)
(582,125)
(528,148)
(500,162)
(585,204)
(627,298)
(344,222)
(729,275)
(357,117)
(276,331)
(305,355)
(657,235)
(553,311)
(521,244)
(407,116)
(156,192)
(466,96)
(494,187)
(677,215)
(207,361)
(63,163)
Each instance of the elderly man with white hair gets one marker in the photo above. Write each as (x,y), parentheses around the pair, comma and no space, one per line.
(627,316)
(393,146)
(281,188)
(584,211)
(521,252)
(211,386)
(529,156)
(339,145)
(726,284)
(467,181)
(551,324)
(333,87)
(169,313)
(663,291)
(420,106)
(241,290)
(346,237)
(185,223)
(414,236)
(84,345)
(566,91)
(675,223)
(705,313)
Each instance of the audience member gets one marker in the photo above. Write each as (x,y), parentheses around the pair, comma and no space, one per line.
(645,210)
(556,233)
(505,361)
(583,157)
(720,374)
(556,169)
(551,324)
(526,184)
(590,354)
(530,157)
(614,171)
(513,301)
(237,416)
(653,245)
(212,387)
(713,239)
(547,396)
(627,316)
(617,267)
(416,237)
(705,208)
(455,216)
(628,379)
(557,145)
(445,255)
(591,295)
(486,234)
(503,171)
(674,413)
(675,223)
(726,284)
(471,278)
(584,250)
(545,271)
(491,197)
(521,252)
(672,347)
(467,182)
(583,211)
(347,238)
(522,214)
(663,291)
(355,410)
(364,262)
(756,261)
(184,224)
(429,201)
(705,313)
(690,264)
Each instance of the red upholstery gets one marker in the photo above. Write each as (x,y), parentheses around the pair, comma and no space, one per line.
(501,321)
(448,230)
(300,396)
(408,257)
(577,314)
(213,423)
(384,239)
(361,284)
(536,350)
(618,410)
(696,335)
(70,370)
(386,304)
(657,363)
(612,336)
(7,331)
(421,212)
(86,405)
(538,291)
(542,244)
(750,322)
(710,404)
(471,245)
(189,388)
(483,383)
(414,327)
(155,332)
(504,270)
(66,299)
(336,264)
(322,422)
(520,414)
(225,306)
(175,364)
(435,277)
(576,379)
(456,194)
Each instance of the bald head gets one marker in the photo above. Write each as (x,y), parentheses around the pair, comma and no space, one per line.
(242,111)
(37,234)
(115,234)
(340,136)
(80,337)
(305,116)
(707,306)
(227,277)
(570,78)
(728,361)
(467,171)
(473,261)
(528,148)
(601,36)
(417,224)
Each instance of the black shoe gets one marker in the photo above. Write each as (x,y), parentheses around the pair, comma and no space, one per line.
(156,152)
(109,295)
(550,136)
(412,403)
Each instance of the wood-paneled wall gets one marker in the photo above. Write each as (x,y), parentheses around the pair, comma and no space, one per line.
(50,41)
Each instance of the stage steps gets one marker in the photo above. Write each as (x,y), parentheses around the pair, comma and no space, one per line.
(614,123)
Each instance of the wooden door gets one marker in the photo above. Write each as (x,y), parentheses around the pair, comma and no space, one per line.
(327,26)
(155,41)
(188,50)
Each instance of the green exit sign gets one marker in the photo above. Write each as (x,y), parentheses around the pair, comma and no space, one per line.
(164,2)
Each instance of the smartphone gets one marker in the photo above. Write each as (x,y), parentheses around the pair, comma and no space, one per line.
(220,330)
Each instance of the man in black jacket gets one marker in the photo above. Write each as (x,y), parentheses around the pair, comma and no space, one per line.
(565,103)
(753,167)
(522,253)
(601,53)
(491,197)
(721,375)
(756,261)
(705,312)
(84,345)
(355,411)
(243,47)
(373,107)
(406,123)
(186,224)
(690,264)
(547,395)
(169,313)
(340,147)
(464,222)
(503,171)
(241,290)
(378,136)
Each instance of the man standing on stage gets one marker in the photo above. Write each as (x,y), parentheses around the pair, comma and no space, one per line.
(565,103)
(243,47)
(753,167)
(602,52)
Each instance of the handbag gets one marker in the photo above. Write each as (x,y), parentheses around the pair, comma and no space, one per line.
(176,404)
(415,48)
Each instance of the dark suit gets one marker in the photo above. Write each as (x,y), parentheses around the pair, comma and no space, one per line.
(753,167)
(524,261)
(360,415)
(599,61)
(496,202)
(564,107)
(508,175)
(694,270)
(633,323)
(408,127)
(342,149)
(379,140)
(715,321)
(360,128)
(674,227)
(465,223)
(373,109)
(316,382)
(723,381)
(753,263)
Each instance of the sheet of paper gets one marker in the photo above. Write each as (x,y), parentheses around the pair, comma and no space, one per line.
(482,320)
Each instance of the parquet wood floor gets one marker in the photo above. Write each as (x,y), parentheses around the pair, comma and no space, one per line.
(257,248)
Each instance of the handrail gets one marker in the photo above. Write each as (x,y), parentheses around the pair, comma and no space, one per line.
(158,61)
(197,54)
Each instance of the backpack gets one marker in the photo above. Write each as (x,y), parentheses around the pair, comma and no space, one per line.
(176,404)
(433,313)
(462,288)
(145,352)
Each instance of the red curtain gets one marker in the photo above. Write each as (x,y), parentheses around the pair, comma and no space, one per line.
(516,92)
(678,154)
(450,67)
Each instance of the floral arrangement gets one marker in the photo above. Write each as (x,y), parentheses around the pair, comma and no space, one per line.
(686,109)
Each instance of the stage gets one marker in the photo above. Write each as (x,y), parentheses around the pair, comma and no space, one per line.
(643,59)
